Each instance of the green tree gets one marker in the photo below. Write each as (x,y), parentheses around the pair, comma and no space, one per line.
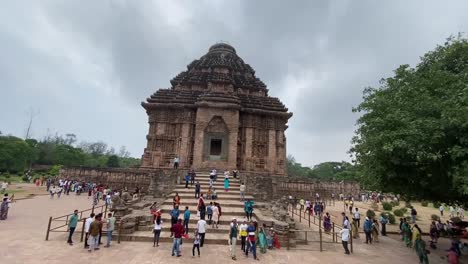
(14,154)
(113,161)
(412,137)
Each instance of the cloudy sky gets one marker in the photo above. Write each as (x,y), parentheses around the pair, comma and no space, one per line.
(84,66)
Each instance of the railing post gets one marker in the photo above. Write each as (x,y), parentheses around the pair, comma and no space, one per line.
(120,232)
(287,237)
(320,235)
(82,230)
(48,229)
(306,237)
(300,218)
(333,232)
(351,239)
(309,217)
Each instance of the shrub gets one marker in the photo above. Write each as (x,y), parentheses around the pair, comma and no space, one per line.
(25,178)
(407,204)
(375,206)
(395,203)
(424,203)
(435,217)
(398,212)
(387,206)
(404,210)
(390,217)
(370,214)
(436,204)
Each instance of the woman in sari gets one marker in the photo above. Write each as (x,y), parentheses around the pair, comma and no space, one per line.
(4,209)
(327,222)
(226,184)
(354,229)
(262,241)
(416,232)
(176,200)
(420,248)
(405,228)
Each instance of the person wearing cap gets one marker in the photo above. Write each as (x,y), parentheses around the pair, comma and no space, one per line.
(233,238)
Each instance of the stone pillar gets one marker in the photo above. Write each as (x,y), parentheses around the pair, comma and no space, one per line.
(184,146)
(272,161)
(248,147)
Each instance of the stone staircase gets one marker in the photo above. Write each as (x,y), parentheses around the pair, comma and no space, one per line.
(230,203)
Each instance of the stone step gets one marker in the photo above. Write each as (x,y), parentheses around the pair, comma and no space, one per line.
(223,196)
(148,236)
(225,211)
(224,229)
(194,219)
(193,204)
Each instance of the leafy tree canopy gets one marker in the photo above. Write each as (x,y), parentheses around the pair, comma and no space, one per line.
(412,137)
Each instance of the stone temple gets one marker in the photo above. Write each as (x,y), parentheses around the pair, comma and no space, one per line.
(217,114)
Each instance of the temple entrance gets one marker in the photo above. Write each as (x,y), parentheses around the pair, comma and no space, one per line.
(215,147)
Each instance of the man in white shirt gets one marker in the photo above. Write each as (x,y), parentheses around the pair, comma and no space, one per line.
(88,222)
(345,238)
(357,217)
(242,191)
(441,209)
(201,227)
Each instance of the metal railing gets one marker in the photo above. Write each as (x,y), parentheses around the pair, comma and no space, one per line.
(63,221)
(317,221)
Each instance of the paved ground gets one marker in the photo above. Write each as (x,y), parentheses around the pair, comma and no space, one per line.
(23,237)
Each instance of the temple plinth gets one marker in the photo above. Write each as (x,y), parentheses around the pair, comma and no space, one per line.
(217,114)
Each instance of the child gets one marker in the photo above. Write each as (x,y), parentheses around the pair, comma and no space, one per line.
(196,244)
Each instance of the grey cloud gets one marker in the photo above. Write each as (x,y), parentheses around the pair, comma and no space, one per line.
(316,56)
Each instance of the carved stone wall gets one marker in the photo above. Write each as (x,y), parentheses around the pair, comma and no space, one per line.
(157,182)
(264,186)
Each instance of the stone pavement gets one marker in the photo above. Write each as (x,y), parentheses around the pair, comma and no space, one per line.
(23,241)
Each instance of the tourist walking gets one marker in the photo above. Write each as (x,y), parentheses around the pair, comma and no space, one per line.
(233,237)
(176,163)
(174,216)
(192,177)
(215,218)
(4,208)
(186,219)
(226,184)
(201,228)
(73,222)
(178,231)
(406,230)
(197,189)
(413,215)
(375,231)
(368,230)
(110,228)
(209,211)
(251,241)
(327,222)
(421,251)
(261,239)
(248,208)
(383,223)
(88,222)
(345,238)
(242,191)
(157,230)
(441,209)
(187,180)
(196,243)
(176,200)
(357,217)
(94,231)
(243,234)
